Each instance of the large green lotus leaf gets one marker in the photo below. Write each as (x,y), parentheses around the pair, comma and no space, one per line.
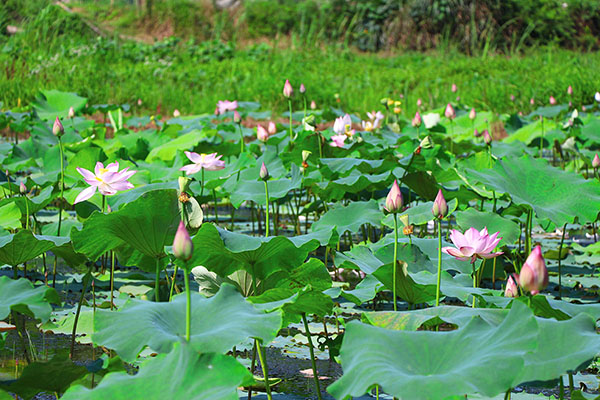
(225,252)
(554,194)
(591,131)
(218,324)
(119,200)
(34,204)
(54,103)
(433,365)
(64,324)
(53,376)
(147,224)
(20,295)
(343,165)
(312,273)
(351,217)
(471,218)
(353,183)
(24,246)
(10,216)
(181,374)
(531,131)
(168,150)
(255,189)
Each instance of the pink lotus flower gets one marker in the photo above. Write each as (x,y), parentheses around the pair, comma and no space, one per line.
(570,90)
(183,247)
(512,98)
(261,133)
(487,138)
(552,100)
(302,88)
(375,118)
(511,290)
(531,101)
(107,180)
(449,111)
(440,207)
(313,105)
(596,161)
(472,114)
(338,140)
(272,128)
(476,133)
(225,105)
(419,102)
(473,244)
(210,162)
(57,128)
(454,88)
(287,89)
(394,201)
(416,121)
(534,275)
(342,124)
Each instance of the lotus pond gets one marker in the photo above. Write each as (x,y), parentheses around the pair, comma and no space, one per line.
(236,255)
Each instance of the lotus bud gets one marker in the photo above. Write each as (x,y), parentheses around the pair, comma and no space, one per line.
(264,172)
(272,128)
(458,99)
(237,118)
(472,114)
(534,275)
(313,105)
(511,289)
(454,88)
(261,133)
(597,97)
(419,102)
(512,98)
(487,138)
(176,113)
(416,122)
(305,155)
(182,244)
(390,102)
(394,201)
(583,108)
(531,101)
(449,112)
(71,114)
(596,161)
(476,133)
(405,219)
(22,188)
(57,128)
(384,101)
(552,100)
(570,90)
(287,89)
(302,88)
(440,207)
(139,102)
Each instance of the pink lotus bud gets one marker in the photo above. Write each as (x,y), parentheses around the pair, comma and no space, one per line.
(552,100)
(416,122)
(237,118)
(261,133)
(139,102)
(176,113)
(570,90)
(302,88)
(583,108)
(512,98)
(531,101)
(22,188)
(449,112)
(454,88)
(597,97)
(511,287)
(313,105)
(596,161)
(287,89)
(440,207)
(472,114)
(394,201)
(476,133)
(487,138)
(419,102)
(71,114)
(182,244)
(264,172)
(57,128)
(534,275)
(458,99)
(272,128)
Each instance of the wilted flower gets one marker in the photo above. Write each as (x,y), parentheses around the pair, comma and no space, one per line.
(302,88)
(210,162)
(261,133)
(552,100)
(487,138)
(394,201)
(57,128)
(440,207)
(473,244)
(570,90)
(71,113)
(472,114)
(449,112)
(183,247)
(342,124)
(176,113)
(272,128)
(534,275)
(596,161)
(225,105)
(338,140)
(416,121)
(511,289)
(264,172)
(454,88)
(287,89)
(107,180)
(313,105)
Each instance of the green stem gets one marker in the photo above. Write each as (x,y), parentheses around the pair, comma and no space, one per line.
(291,131)
(157,281)
(62,185)
(395,261)
(561,389)
(312,354)
(562,240)
(252,367)
(112,279)
(202,184)
(27,212)
(507,394)
(188,308)
(439,271)
(474,282)
(74,332)
(216,211)
(242,144)
(173,283)
(304,97)
(267,210)
(571,384)
(265,368)
(528,229)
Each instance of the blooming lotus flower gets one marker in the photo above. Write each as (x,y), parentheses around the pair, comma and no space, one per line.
(534,275)
(210,162)
(367,126)
(375,118)
(261,133)
(473,244)
(225,105)
(596,161)
(338,140)
(342,124)
(107,180)
(454,88)
(394,201)
(511,290)
(472,114)
(57,128)
(440,207)
(552,100)
(416,121)
(302,88)
(570,90)
(419,102)
(183,247)
(272,128)
(287,89)
(449,112)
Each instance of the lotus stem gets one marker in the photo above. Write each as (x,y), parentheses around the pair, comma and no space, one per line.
(173,283)
(312,355)
(439,271)
(494,274)
(304,98)
(26,211)
(265,368)
(561,389)
(267,210)
(474,282)
(112,279)
(216,211)
(562,240)
(507,394)
(528,230)
(62,185)
(252,366)
(395,261)
(157,281)
(188,308)
(202,183)
(74,332)
(571,384)
(542,139)
(291,130)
